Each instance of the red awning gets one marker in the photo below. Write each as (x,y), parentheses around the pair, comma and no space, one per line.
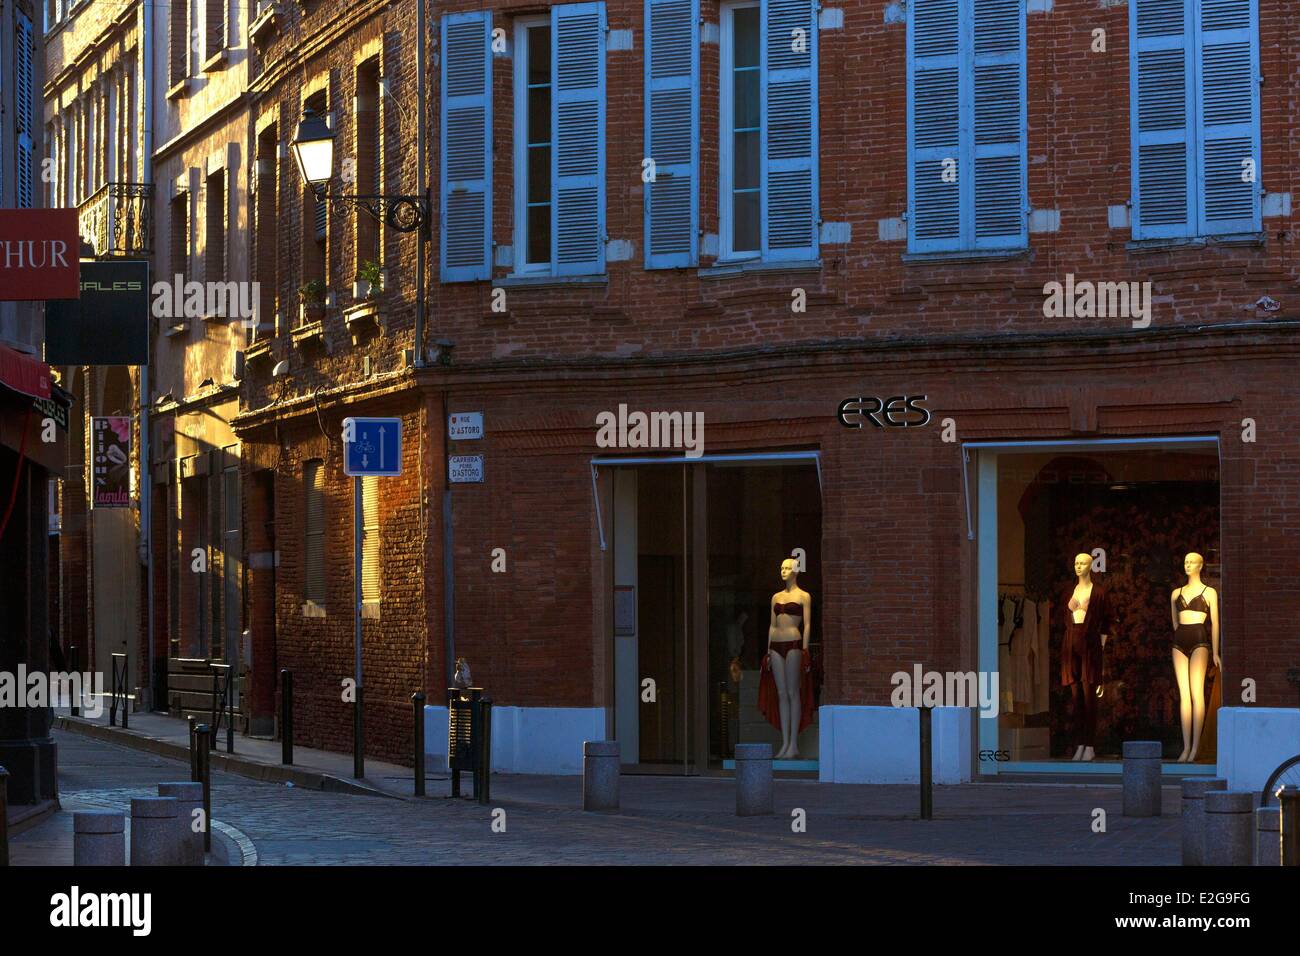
(24,374)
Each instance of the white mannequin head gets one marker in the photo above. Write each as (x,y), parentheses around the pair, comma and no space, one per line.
(790,572)
(1193,564)
(1082,566)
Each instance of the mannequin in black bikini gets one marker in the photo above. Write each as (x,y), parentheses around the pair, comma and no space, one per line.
(1195,610)
(787,646)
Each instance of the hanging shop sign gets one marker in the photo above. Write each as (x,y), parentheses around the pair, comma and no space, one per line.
(110,438)
(39,254)
(109,324)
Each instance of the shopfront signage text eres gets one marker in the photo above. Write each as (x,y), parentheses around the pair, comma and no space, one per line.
(39,255)
(897,411)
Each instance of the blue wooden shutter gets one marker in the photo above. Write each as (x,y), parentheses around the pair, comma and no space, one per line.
(934,125)
(465,167)
(789,130)
(998,102)
(23,109)
(578,125)
(1227,110)
(672,132)
(1162,106)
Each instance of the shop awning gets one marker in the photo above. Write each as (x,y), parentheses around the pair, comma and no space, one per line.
(24,374)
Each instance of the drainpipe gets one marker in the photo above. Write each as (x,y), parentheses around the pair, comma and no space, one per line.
(421,182)
(144,96)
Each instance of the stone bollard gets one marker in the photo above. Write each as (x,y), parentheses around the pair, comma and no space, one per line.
(189,797)
(1142,778)
(600,769)
(1194,791)
(155,838)
(98,838)
(753,780)
(1229,827)
(1268,836)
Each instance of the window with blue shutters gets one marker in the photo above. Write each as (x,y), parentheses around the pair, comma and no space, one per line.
(1194,75)
(672,126)
(560,142)
(465,164)
(966,121)
(23,103)
(768,119)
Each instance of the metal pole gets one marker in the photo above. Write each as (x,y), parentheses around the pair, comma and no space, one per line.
(75,662)
(417,706)
(194,754)
(358,737)
(230,711)
(421,187)
(203,735)
(146,529)
(448,590)
(1289,799)
(927,806)
(4,817)
(286,716)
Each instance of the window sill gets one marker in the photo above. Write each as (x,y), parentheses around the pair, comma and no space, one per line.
(370,610)
(216,62)
(547,281)
(1195,242)
(965,255)
(722,269)
(179,90)
(312,609)
(265,24)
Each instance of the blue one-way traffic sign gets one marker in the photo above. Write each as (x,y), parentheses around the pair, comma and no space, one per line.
(372,446)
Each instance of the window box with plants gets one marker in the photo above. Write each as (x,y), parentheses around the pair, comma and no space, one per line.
(311,310)
(362,317)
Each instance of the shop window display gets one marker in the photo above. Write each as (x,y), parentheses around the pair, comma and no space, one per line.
(1096,554)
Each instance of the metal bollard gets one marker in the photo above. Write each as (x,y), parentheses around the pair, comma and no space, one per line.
(204,737)
(753,780)
(99,838)
(358,738)
(1142,794)
(485,749)
(1193,816)
(194,754)
(1268,842)
(1229,828)
(155,840)
(74,663)
(927,764)
(189,800)
(1289,798)
(4,817)
(286,716)
(417,706)
(600,767)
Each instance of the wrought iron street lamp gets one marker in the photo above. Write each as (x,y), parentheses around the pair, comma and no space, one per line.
(313,148)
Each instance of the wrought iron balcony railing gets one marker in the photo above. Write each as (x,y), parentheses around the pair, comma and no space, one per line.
(118,220)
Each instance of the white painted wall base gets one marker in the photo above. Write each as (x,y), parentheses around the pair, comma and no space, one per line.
(525,739)
(1253,741)
(882,744)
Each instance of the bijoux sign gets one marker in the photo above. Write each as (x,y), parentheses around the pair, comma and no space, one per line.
(39,255)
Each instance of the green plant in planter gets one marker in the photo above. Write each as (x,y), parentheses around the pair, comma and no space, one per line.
(312,292)
(372,274)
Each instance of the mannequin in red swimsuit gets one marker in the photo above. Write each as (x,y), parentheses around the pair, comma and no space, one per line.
(786,668)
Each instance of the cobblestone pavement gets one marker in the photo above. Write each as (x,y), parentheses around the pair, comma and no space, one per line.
(663,820)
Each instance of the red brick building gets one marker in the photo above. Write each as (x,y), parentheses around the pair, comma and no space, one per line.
(878,207)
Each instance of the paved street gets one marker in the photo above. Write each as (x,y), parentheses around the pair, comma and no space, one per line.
(663,821)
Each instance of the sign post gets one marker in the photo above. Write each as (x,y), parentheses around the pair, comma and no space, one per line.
(371,447)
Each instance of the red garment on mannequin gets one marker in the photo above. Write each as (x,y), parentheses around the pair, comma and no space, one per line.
(769,701)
